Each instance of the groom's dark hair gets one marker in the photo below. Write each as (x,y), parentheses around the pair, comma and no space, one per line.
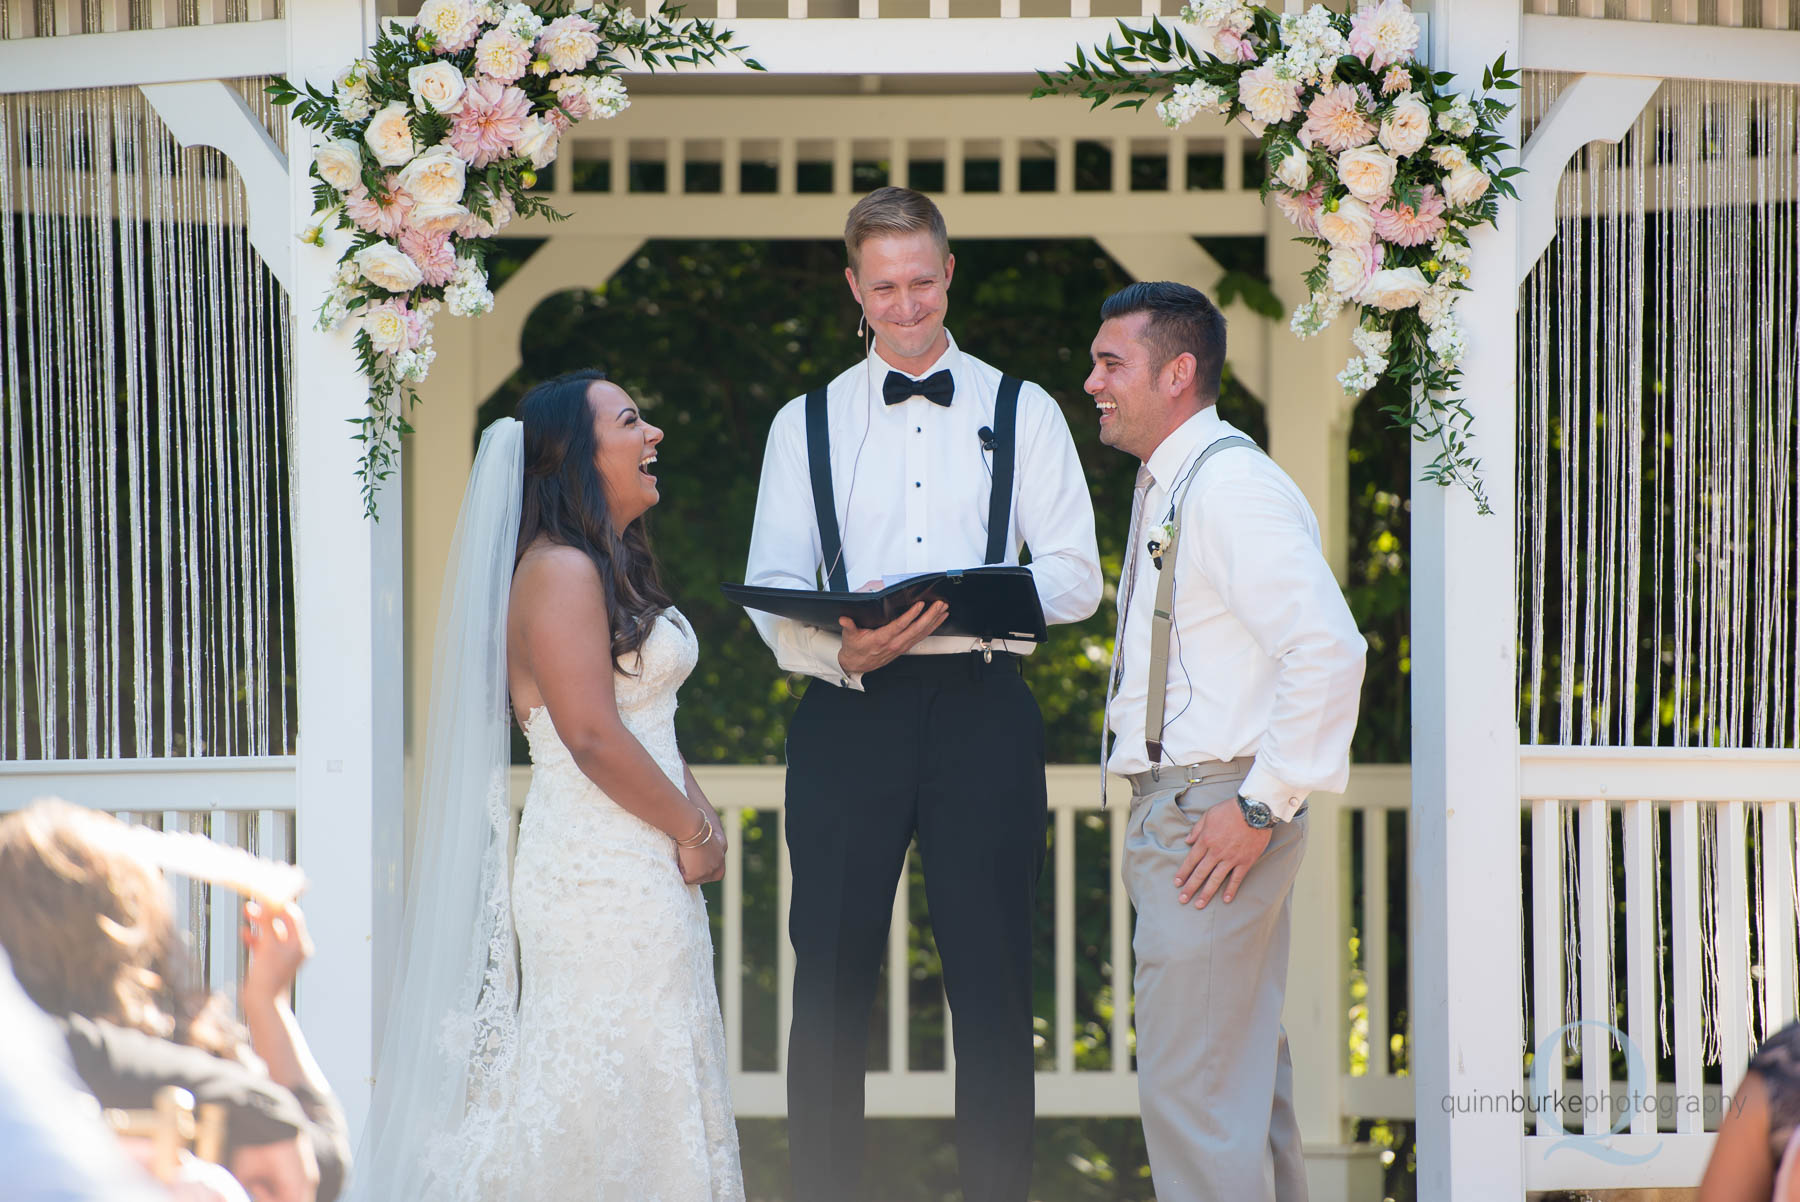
(1181,321)
(565,502)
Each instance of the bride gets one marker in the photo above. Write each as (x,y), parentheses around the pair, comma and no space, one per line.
(586,1059)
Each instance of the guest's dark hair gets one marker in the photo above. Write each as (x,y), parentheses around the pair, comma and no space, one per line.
(565,503)
(1181,320)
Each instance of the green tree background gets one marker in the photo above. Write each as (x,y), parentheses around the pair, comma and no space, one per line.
(712,337)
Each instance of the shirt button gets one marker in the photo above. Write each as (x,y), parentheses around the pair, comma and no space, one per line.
(918,484)
(918,429)
(919,540)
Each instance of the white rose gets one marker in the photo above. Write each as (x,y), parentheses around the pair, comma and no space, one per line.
(1396,288)
(1351,224)
(1449,157)
(383,265)
(538,142)
(1295,170)
(1466,185)
(386,328)
(1407,125)
(1367,172)
(434,218)
(340,163)
(390,136)
(436,177)
(1349,268)
(436,87)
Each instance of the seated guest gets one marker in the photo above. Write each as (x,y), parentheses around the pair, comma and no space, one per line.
(1757,1155)
(52,1141)
(93,942)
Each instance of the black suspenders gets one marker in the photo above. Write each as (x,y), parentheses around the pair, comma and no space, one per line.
(818,462)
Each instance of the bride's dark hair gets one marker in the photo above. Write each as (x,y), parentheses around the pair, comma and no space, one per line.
(565,503)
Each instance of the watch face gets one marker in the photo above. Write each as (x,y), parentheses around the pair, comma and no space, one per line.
(1257,814)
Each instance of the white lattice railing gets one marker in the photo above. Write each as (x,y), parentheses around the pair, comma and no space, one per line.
(1703,842)
(906,1090)
(249,805)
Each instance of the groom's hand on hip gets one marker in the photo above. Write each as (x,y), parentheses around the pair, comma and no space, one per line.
(1222,850)
(866,650)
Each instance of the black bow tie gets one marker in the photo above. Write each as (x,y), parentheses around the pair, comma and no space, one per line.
(937,388)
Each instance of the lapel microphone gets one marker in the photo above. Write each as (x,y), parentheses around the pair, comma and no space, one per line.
(986,435)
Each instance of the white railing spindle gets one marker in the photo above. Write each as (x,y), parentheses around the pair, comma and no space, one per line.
(1375,938)
(1640,950)
(733,888)
(1733,926)
(899,976)
(1121,944)
(1777,934)
(1547,938)
(1064,847)
(1685,911)
(1595,860)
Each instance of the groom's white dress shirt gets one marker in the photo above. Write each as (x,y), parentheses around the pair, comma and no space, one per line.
(912,488)
(1264,657)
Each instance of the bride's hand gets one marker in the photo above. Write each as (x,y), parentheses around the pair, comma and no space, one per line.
(704,863)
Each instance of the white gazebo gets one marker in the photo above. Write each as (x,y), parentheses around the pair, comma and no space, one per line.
(174,461)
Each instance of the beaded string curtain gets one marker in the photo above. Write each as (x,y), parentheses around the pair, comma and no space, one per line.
(1659,576)
(145,600)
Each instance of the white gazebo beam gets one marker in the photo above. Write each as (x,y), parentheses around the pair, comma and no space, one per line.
(1465,766)
(1594,108)
(210,113)
(1659,50)
(140,56)
(348,611)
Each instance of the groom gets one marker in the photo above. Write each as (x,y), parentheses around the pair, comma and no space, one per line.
(919,458)
(1237,672)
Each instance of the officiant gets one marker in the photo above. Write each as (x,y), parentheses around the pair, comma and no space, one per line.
(919,458)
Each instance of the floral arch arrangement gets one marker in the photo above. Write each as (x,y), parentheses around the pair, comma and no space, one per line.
(1380,164)
(431,146)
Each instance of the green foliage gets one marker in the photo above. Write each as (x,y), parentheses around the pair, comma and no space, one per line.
(664,39)
(1138,64)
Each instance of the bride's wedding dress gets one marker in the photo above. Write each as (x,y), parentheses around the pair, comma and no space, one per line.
(583,1060)
(617,1088)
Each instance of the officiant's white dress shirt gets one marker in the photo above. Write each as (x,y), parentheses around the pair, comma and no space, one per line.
(1264,657)
(912,484)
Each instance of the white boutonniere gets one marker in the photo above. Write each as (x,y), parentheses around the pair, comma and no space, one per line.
(1162,542)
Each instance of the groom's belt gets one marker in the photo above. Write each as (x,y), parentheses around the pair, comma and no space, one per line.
(1180,776)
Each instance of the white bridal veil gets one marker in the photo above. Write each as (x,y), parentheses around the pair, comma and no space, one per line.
(452,1018)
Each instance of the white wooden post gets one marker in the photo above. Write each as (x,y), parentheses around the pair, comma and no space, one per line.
(1307,411)
(347,604)
(1465,913)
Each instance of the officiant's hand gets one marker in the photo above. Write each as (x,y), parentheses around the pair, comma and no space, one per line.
(867,650)
(1223,849)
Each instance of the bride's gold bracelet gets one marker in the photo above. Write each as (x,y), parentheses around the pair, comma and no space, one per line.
(699,838)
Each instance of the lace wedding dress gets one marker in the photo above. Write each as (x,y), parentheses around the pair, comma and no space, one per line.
(617,1087)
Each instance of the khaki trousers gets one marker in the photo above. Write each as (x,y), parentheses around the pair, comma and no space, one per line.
(1215,1084)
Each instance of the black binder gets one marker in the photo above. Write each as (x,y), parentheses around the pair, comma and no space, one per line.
(985,603)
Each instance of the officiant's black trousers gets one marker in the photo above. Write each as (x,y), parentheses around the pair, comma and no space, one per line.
(951,749)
